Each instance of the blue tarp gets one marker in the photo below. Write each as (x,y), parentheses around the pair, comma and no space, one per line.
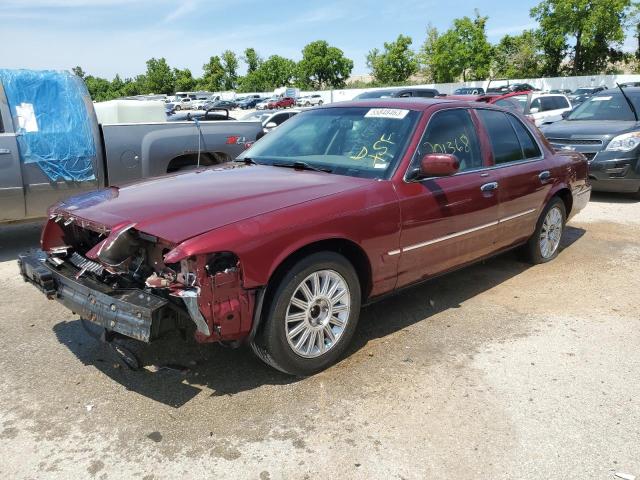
(52,122)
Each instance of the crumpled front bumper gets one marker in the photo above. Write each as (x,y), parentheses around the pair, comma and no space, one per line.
(131,312)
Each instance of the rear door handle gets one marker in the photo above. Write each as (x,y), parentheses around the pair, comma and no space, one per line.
(546,175)
(4,151)
(487,187)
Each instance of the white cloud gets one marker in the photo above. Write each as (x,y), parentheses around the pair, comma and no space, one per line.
(182,10)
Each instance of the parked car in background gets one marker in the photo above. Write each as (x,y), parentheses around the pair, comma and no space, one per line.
(541,108)
(513,87)
(270,119)
(185,103)
(284,102)
(213,114)
(605,128)
(583,93)
(228,104)
(563,91)
(398,92)
(339,206)
(310,100)
(469,91)
(87,155)
(249,102)
(264,104)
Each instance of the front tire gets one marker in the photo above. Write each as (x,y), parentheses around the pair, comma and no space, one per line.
(544,244)
(312,315)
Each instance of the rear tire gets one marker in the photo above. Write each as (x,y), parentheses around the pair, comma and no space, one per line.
(311,315)
(544,244)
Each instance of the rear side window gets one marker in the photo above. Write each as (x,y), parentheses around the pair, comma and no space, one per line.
(452,131)
(425,93)
(504,141)
(529,147)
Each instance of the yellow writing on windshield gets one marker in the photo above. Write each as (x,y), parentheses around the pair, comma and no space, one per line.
(377,151)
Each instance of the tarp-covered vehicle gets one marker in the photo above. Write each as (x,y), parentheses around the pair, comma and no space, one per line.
(51,145)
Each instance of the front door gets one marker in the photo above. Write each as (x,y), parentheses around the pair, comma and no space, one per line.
(11,186)
(447,221)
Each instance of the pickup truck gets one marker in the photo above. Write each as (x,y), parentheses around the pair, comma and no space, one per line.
(35,128)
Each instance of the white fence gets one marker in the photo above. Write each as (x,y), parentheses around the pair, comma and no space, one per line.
(552,83)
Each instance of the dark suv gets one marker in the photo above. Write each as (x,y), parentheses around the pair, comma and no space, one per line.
(607,131)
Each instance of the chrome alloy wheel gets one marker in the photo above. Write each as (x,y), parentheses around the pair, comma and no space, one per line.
(551,232)
(318,313)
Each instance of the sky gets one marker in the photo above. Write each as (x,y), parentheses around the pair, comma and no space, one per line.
(106,37)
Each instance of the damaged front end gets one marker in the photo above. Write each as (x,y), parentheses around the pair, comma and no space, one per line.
(119,278)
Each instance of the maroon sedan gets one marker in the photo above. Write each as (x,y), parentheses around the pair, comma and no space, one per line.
(340,205)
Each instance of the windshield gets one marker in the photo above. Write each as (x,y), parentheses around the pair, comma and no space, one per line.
(611,106)
(516,102)
(583,91)
(356,141)
(256,116)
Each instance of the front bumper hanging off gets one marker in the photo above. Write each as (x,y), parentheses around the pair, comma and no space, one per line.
(131,312)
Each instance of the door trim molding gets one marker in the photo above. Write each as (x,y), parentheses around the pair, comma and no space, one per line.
(460,233)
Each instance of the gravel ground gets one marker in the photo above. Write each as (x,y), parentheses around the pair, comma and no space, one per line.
(500,371)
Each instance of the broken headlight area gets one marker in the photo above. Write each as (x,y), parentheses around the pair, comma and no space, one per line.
(205,291)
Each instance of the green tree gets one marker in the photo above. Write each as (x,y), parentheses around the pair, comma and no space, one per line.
(396,63)
(593,27)
(184,80)
(213,75)
(252,59)
(230,67)
(462,52)
(323,66)
(159,77)
(274,72)
(518,56)
(99,88)
(78,71)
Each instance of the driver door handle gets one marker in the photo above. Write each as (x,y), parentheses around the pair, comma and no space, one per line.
(487,187)
(545,175)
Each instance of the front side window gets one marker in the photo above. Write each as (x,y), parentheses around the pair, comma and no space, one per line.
(504,141)
(356,141)
(453,132)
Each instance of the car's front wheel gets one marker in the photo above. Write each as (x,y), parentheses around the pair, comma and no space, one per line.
(311,315)
(544,244)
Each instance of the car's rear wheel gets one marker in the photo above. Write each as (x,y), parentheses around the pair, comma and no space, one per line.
(544,244)
(320,102)
(311,315)
(177,108)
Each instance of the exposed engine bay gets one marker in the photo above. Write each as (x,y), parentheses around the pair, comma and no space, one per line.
(204,291)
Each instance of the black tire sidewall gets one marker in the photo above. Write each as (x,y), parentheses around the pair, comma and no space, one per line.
(274,339)
(534,242)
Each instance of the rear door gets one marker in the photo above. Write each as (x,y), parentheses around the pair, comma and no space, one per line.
(522,173)
(11,185)
(447,221)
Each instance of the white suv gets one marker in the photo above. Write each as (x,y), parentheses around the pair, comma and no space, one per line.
(310,100)
(541,108)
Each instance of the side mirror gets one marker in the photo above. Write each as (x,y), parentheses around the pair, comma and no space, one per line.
(566,114)
(271,125)
(438,165)
(534,110)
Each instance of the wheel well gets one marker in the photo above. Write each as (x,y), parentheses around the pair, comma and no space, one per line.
(348,249)
(565,195)
(207,159)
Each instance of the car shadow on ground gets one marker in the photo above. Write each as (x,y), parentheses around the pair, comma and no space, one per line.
(610,197)
(18,238)
(182,368)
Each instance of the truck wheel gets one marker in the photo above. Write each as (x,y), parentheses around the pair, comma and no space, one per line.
(312,315)
(543,246)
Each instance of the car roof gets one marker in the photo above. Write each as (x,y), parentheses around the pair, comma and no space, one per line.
(411,103)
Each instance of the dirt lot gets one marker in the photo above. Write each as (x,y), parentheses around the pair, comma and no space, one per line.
(500,371)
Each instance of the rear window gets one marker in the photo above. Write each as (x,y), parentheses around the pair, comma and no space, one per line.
(504,140)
